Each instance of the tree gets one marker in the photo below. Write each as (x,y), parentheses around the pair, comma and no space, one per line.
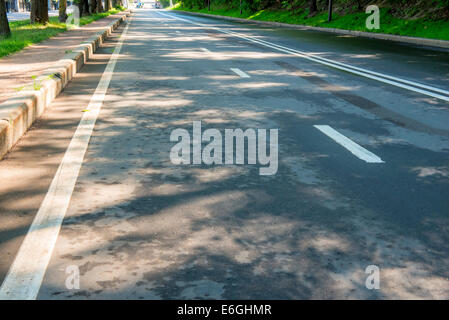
(62,10)
(252,5)
(80,5)
(107,5)
(329,16)
(85,4)
(4,24)
(312,7)
(116,3)
(92,6)
(39,11)
(83,7)
(99,6)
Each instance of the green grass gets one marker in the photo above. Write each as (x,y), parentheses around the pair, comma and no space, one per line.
(24,34)
(423,28)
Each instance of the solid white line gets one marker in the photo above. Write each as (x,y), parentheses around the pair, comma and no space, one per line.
(394,81)
(350,145)
(25,275)
(240,73)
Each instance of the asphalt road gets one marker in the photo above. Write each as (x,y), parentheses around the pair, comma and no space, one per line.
(140,227)
(15,16)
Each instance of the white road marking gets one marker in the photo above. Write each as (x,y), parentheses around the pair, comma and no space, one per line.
(25,275)
(350,145)
(240,73)
(205,50)
(394,81)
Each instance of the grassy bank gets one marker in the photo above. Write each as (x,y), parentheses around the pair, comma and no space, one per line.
(424,28)
(24,34)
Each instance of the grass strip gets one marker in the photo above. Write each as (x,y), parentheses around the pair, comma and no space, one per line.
(24,34)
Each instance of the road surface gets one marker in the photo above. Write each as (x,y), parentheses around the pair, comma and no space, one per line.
(362,179)
(15,16)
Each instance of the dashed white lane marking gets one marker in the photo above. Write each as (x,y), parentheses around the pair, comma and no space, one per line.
(350,145)
(25,275)
(394,81)
(240,73)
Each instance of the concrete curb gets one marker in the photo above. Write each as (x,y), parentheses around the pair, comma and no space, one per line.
(19,112)
(381,36)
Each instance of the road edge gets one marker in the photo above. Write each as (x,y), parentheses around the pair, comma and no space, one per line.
(19,112)
(381,36)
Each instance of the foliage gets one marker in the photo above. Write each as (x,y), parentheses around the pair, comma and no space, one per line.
(288,12)
(400,7)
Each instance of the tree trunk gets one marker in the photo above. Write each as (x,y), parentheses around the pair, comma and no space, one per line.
(92,6)
(85,7)
(312,7)
(107,5)
(39,11)
(99,6)
(4,24)
(80,6)
(62,11)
